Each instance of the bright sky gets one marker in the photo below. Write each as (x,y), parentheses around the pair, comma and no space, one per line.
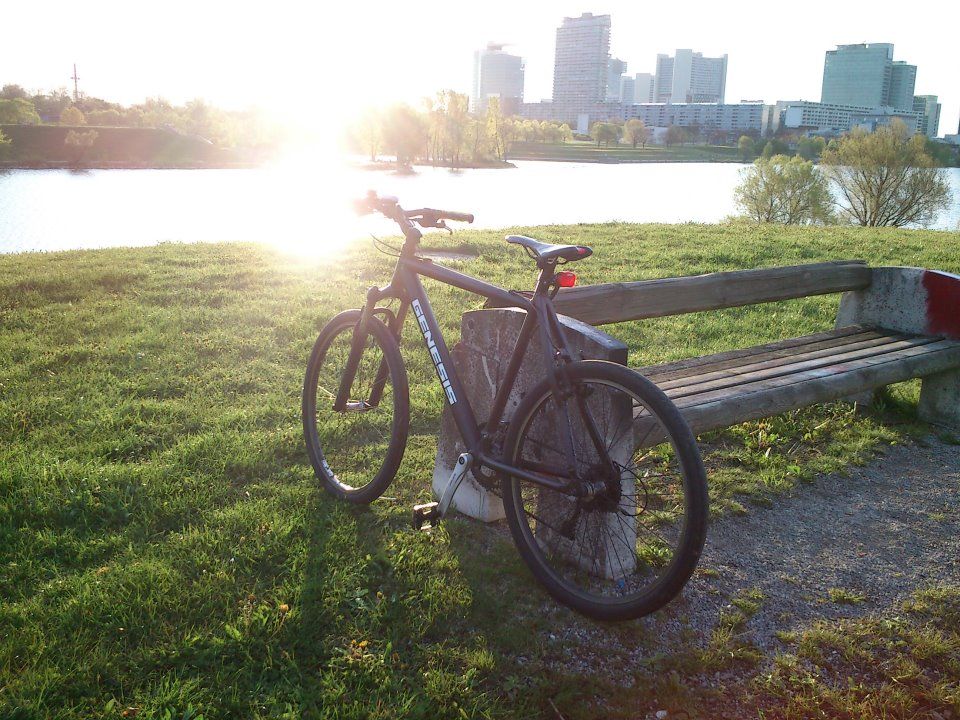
(318,63)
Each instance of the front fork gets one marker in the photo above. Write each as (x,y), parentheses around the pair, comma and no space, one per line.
(357,345)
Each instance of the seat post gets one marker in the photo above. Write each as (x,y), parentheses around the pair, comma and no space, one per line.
(545,278)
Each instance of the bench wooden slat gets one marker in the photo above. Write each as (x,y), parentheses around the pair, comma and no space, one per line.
(791,364)
(618,302)
(668,373)
(722,408)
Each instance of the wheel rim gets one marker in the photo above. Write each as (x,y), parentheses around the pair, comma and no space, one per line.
(352,444)
(620,544)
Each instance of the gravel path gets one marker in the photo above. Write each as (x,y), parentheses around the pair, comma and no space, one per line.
(881,532)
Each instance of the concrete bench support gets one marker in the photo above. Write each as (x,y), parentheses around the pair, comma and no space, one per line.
(919,302)
(487,339)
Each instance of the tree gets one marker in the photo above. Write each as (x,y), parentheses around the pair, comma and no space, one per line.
(784,190)
(886,177)
(605,133)
(773,147)
(745,147)
(80,142)
(368,133)
(18,112)
(497,131)
(12,92)
(51,104)
(72,116)
(810,148)
(404,134)
(675,134)
(636,133)
(108,118)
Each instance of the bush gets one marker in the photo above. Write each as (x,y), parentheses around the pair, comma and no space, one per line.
(784,190)
(886,177)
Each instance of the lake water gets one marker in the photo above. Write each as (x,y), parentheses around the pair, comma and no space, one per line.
(305,207)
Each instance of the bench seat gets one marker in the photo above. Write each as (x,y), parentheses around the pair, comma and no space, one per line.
(720,390)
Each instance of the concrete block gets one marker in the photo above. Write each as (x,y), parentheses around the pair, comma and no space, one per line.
(913,301)
(909,300)
(940,399)
(487,339)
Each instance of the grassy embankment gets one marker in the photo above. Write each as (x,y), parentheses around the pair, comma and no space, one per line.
(581,151)
(45,146)
(164,551)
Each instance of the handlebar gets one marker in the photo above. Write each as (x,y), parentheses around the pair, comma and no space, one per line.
(425,217)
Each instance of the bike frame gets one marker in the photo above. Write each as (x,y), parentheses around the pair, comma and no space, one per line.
(541,316)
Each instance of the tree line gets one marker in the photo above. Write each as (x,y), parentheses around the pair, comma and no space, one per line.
(882,178)
(444,132)
(230,129)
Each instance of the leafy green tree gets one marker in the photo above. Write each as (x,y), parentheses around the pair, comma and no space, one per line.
(51,104)
(367,133)
(405,134)
(886,177)
(944,155)
(636,133)
(72,116)
(745,147)
(455,118)
(775,146)
(132,117)
(675,134)
(784,190)
(498,132)
(107,118)
(18,111)
(810,148)
(80,143)
(477,140)
(605,133)
(12,92)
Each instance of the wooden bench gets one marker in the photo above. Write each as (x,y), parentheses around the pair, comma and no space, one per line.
(893,324)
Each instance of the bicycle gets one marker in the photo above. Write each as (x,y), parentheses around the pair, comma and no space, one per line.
(601,479)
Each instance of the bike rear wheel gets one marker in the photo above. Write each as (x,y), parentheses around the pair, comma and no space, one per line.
(629,542)
(356,452)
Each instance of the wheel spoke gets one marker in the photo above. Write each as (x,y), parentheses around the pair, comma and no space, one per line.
(628,525)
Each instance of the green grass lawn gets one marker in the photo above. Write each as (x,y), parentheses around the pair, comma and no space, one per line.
(165,551)
(581,151)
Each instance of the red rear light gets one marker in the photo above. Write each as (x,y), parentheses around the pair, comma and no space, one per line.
(566,278)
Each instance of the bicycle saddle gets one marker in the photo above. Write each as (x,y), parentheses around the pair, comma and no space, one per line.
(545,252)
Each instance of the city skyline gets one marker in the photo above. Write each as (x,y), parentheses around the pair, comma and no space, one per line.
(235,55)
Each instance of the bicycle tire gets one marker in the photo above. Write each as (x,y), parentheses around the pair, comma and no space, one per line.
(540,519)
(355,439)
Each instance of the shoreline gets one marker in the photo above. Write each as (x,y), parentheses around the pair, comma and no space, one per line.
(125,165)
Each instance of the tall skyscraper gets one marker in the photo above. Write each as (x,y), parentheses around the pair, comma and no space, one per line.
(903,79)
(689,77)
(643,88)
(866,75)
(627,87)
(580,68)
(497,74)
(615,70)
(930,122)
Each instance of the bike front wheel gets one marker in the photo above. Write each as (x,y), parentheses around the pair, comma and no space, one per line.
(626,535)
(355,452)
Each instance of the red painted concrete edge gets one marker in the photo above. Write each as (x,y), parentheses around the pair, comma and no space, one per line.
(943,303)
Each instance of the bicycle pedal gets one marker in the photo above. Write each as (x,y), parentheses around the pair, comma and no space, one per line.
(426,516)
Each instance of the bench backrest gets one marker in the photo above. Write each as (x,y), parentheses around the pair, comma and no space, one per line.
(618,302)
